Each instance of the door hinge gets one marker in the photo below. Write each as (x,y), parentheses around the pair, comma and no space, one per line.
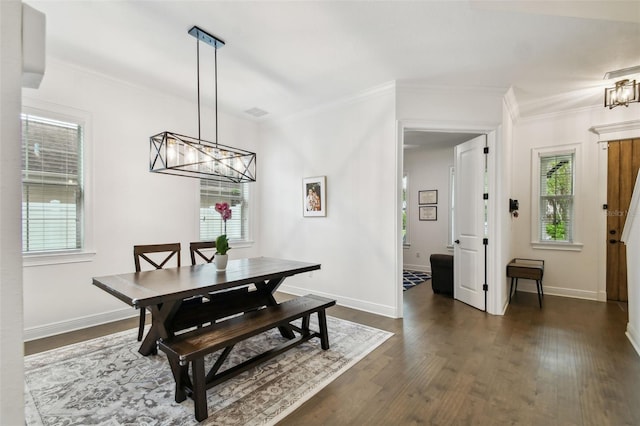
(485,287)
(485,196)
(486,150)
(485,241)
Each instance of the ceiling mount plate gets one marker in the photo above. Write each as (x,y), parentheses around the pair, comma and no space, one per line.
(202,35)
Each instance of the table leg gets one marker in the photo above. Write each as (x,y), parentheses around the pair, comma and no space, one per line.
(161,318)
(267,289)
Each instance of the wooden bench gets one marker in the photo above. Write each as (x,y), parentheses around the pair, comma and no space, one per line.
(191,347)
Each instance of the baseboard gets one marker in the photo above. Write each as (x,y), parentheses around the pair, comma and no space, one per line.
(374,308)
(53,329)
(420,268)
(530,287)
(634,337)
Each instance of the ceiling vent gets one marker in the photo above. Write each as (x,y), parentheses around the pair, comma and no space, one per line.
(256,112)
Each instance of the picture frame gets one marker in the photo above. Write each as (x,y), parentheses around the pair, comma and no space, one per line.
(428,213)
(314,196)
(428,197)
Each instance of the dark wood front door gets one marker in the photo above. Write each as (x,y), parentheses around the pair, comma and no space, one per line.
(623,166)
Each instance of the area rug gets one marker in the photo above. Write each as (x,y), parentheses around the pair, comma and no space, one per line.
(413,278)
(105,381)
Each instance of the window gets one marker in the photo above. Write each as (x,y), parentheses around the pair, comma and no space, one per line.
(556,197)
(211,223)
(553,197)
(52,184)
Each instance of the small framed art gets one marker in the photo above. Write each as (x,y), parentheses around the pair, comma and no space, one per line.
(428,213)
(314,196)
(428,197)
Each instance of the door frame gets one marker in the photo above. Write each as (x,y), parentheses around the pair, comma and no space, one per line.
(605,133)
(494,174)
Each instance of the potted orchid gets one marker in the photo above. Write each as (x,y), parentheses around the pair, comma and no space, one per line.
(222,242)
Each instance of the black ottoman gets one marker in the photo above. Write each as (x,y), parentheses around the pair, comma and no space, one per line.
(442,273)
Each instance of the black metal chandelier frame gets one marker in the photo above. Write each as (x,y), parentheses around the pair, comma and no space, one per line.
(176,154)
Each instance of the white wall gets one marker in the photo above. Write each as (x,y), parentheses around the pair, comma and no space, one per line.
(575,274)
(353,144)
(11,348)
(129,204)
(427,168)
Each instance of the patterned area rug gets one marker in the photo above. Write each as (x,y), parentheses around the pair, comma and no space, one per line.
(106,381)
(413,278)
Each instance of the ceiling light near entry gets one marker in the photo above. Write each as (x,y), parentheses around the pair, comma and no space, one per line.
(624,93)
(176,154)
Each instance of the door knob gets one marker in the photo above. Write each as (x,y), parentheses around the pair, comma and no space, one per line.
(457,241)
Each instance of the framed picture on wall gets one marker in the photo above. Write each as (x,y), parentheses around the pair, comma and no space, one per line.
(428,213)
(314,196)
(428,197)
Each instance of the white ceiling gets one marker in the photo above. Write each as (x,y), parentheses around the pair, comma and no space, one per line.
(287,56)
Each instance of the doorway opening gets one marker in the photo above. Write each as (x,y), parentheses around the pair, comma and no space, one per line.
(429,193)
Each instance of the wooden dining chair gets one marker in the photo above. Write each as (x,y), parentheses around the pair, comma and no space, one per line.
(142,252)
(196,250)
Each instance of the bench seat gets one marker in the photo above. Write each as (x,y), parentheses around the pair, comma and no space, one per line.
(191,347)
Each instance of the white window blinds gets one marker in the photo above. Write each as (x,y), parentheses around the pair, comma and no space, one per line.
(51,184)
(557,197)
(211,223)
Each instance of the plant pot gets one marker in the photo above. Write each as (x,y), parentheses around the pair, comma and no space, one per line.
(221,261)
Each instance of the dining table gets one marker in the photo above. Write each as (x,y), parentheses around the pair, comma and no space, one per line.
(191,296)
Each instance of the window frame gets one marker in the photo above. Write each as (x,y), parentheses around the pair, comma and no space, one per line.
(63,113)
(536,155)
(250,200)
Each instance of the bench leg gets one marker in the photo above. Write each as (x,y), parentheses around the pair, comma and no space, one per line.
(179,375)
(324,334)
(539,288)
(199,389)
(511,290)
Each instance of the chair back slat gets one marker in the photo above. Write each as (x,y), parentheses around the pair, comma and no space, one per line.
(141,251)
(196,247)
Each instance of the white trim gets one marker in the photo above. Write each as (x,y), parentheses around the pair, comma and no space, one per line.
(634,337)
(511,105)
(41,259)
(529,286)
(419,268)
(536,154)
(85,119)
(66,326)
(374,308)
(617,131)
(491,130)
(561,246)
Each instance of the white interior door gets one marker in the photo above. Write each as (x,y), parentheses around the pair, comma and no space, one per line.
(469,222)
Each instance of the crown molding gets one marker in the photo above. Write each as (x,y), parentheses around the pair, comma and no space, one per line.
(617,131)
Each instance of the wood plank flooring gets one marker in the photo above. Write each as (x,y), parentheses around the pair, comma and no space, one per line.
(449,364)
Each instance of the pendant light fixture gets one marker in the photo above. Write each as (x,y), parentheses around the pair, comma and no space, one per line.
(624,93)
(176,154)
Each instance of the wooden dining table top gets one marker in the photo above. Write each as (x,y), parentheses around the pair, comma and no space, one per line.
(148,288)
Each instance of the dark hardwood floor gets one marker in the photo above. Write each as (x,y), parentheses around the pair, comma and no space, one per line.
(569,363)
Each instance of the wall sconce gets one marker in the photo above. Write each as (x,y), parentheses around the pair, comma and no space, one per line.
(624,93)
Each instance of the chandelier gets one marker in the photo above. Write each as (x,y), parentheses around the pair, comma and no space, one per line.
(181,155)
(624,93)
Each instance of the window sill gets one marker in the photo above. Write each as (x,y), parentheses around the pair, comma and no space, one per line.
(540,245)
(41,259)
(238,244)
